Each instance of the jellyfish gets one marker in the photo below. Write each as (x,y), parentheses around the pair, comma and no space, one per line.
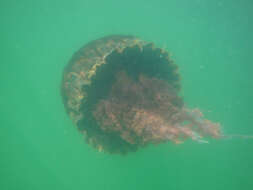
(122,94)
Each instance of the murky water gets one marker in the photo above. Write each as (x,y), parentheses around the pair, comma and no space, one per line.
(211,41)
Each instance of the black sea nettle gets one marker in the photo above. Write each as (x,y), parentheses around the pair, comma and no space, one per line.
(122,93)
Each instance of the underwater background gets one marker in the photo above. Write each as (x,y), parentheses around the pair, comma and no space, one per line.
(40,148)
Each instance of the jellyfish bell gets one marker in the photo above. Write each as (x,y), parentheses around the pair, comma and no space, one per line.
(122,93)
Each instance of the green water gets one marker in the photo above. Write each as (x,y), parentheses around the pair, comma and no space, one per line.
(40,149)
